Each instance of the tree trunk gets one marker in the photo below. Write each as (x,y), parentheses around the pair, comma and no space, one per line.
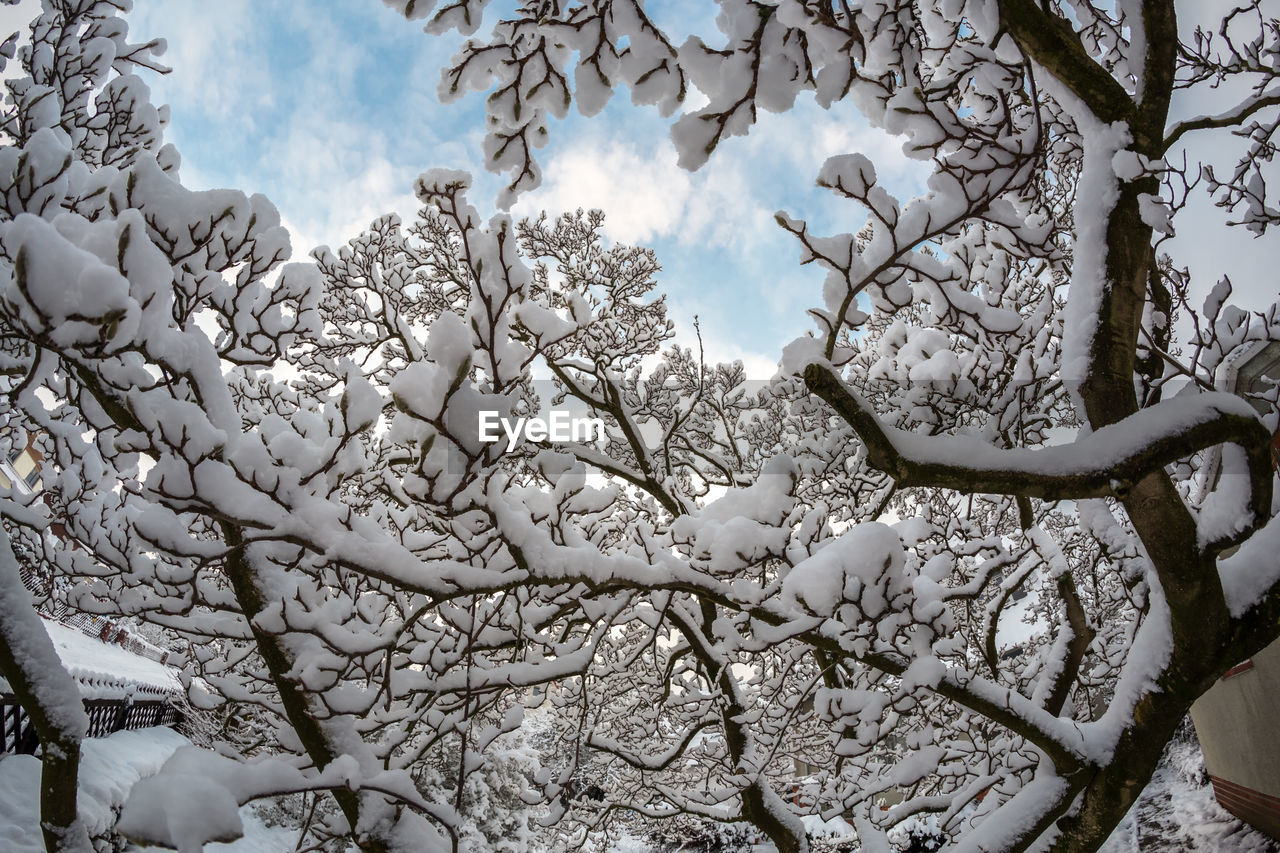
(293,698)
(51,699)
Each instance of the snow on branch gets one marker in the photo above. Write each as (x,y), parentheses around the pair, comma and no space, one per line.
(1104,463)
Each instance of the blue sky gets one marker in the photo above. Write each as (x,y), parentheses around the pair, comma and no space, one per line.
(330,110)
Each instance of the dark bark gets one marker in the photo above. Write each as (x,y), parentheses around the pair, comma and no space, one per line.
(1187,572)
(1205,639)
(1020,472)
(293,699)
(1082,635)
(755,809)
(252,600)
(59,759)
(1052,42)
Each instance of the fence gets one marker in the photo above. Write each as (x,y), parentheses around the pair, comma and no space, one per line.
(104,629)
(18,735)
(43,586)
(152,708)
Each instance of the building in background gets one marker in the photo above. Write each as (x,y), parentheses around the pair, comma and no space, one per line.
(20,468)
(1236,720)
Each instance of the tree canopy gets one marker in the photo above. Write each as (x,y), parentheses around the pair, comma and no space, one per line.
(753,601)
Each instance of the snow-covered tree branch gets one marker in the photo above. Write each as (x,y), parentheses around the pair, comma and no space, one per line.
(1023,290)
(961,549)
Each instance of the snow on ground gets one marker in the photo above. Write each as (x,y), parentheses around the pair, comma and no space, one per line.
(108,769)
(1176,812)
(105,670)
(836,828)
(258,838)
(628,843)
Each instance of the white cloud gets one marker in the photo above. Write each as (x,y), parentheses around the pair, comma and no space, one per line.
(16,18)
(725,259)
(298,140)
(644,195)
(757,365)
(216,49)
(340,209)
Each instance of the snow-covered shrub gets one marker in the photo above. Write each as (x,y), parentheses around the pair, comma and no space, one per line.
(691,834)
(494,816)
